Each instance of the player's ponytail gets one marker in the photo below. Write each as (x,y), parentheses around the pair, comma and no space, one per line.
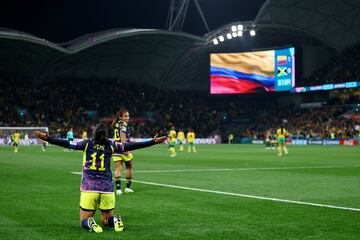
(282,129)
(115,119)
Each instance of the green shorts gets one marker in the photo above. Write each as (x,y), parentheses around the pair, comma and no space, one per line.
(172,143)
(191,144)
(281,140)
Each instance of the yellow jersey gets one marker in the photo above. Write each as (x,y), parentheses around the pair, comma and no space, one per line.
(172,135)
(16,137)
(84,135)
(281,134)
(190,136)
(181,135)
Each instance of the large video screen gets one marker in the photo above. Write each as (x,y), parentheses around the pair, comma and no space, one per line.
(251,72)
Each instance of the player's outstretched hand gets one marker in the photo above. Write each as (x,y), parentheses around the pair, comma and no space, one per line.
(41,135)
(159,139)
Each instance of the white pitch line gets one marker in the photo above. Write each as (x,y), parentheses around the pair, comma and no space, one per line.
(244,195)
(240,169)
(249,196)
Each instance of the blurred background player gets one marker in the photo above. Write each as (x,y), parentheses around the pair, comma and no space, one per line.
(273,141)
(97,190)
(231,138)
(172,141)
(190,138)
(84,135)
(26,139)
(10,139)
(122,134)
(16,141)
(281,134)
(268,140)
(70,136)
(44,145)
(180,138)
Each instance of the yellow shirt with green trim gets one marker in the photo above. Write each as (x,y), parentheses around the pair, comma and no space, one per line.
(16,137)
(181,135)
(190,136)
(172,135)
(281,134)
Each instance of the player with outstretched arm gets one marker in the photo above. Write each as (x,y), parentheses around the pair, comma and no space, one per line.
(97,190)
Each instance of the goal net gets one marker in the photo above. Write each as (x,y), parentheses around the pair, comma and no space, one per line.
(26,137)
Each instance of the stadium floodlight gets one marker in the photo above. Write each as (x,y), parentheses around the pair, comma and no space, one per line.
(252,32)
(240,27)
(221,38)
(233,28)
(215,41)
(240,33)
(228,36)
(234,34)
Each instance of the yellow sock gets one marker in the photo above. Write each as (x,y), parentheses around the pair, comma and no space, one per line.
(194,149)
(172,150)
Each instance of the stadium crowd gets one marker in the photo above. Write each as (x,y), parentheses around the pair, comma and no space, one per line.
(62,105)
(324,122)
(339,69)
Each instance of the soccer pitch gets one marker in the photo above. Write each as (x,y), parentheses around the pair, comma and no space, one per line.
(221,192)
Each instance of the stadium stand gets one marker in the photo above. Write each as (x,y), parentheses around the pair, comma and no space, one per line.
(66,103)
(342,68)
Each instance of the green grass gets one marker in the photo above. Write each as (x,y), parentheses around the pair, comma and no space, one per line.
(40,197)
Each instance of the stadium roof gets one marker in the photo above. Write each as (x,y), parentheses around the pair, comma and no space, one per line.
(330,23)
(334,22)
(132,55)
(175,59)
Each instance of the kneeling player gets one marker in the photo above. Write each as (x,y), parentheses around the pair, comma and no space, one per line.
(97,191)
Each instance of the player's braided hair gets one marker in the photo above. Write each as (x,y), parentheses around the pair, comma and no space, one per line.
(101,133)
(118,115)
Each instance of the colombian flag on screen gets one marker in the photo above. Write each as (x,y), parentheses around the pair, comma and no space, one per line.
(282,60)
(242,72)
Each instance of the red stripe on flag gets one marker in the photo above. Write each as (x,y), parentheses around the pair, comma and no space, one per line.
(220,84)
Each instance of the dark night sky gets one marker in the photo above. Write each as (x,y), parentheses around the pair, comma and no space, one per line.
(64,20)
